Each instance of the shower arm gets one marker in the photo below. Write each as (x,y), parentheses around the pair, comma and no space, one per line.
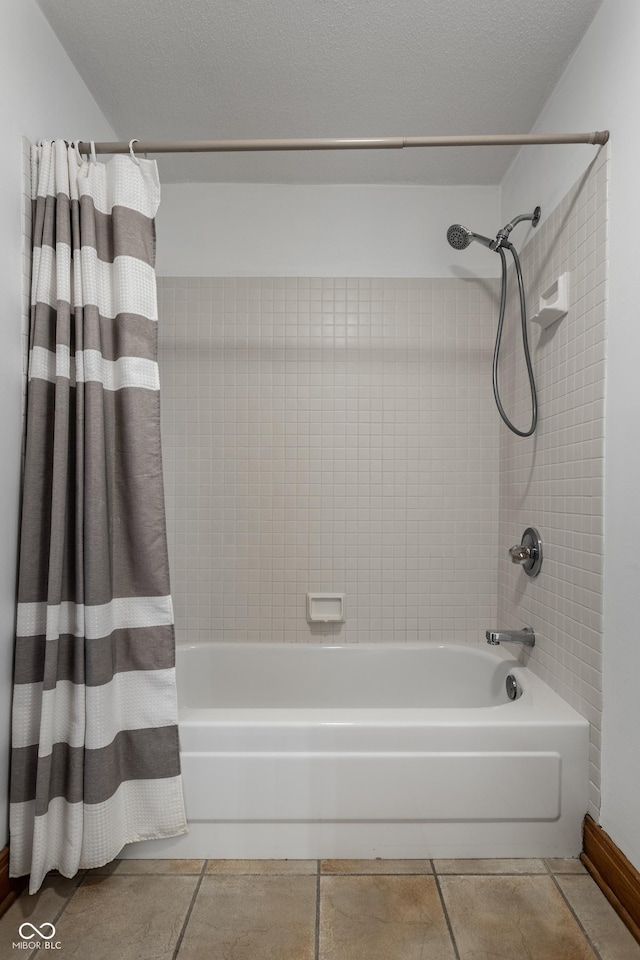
(503,235)
(341,143)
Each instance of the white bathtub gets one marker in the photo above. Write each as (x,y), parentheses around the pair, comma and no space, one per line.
(373,750)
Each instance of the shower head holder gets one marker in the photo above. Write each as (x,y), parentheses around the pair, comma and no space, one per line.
(503,235)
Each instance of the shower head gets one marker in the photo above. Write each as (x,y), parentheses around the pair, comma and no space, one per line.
(460,237)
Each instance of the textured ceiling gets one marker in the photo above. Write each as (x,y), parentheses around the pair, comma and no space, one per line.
(203,69)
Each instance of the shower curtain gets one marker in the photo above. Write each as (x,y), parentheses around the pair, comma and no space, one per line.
(95,761)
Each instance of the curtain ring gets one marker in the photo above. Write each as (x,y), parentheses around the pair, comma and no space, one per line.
(94,158)
(131,153)
(76,144)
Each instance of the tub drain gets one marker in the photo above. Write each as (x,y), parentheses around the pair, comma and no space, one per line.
(512,687)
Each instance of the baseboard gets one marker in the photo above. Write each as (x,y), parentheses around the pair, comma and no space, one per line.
(10,888)
(617,878)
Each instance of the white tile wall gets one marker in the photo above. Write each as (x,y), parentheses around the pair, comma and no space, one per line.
(330,434)
(554,481)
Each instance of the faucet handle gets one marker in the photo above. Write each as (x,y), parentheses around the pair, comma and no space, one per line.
(528,552)
(520,553)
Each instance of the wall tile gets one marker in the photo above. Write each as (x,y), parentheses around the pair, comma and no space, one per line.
(554,481)
(330,434)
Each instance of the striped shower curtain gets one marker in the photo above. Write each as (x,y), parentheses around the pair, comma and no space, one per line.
(95,761)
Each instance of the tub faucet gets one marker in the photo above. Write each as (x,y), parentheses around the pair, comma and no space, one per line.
(525,636)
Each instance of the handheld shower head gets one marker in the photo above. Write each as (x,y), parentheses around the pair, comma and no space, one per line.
(460,237)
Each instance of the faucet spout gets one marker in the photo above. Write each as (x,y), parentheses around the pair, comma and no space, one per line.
(525,636)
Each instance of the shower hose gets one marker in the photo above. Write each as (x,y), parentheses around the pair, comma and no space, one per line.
(525,342)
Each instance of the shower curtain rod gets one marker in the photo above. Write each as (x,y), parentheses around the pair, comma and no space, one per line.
(343,143)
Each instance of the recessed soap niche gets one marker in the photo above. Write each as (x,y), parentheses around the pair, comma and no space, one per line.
(325,608)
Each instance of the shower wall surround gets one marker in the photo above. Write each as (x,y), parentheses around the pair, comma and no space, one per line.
(554,480)
(330,435)
(340,435)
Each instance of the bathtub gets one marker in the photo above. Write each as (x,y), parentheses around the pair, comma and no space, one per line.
(373,750)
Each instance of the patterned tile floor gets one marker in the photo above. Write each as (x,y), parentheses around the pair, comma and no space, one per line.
(325,910)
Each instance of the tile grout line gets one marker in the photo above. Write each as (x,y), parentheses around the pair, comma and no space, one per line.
(592,946)
(500,873)
(376,873)
(178,945)
(446,913)
(121,873)
(317,931)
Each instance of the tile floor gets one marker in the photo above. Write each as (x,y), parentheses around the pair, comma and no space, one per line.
(325,910)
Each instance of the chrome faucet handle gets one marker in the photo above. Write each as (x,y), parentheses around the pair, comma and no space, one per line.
(528,552)
(520,553)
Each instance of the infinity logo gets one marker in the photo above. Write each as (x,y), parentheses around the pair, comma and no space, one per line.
(37,931)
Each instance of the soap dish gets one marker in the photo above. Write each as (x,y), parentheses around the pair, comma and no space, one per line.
(325,607)
(554,302)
